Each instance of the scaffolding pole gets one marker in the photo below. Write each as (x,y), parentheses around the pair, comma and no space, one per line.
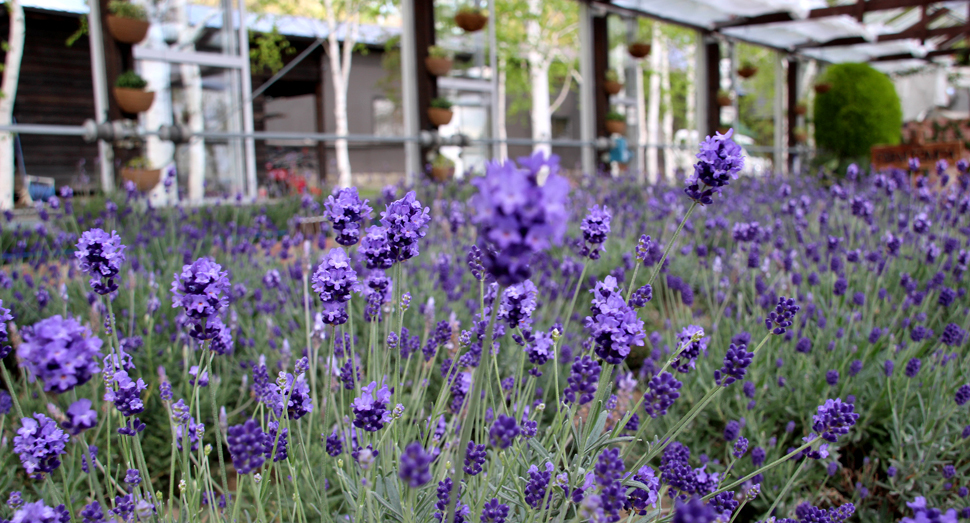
(587,96)
(99,77)
(247,92)
(409,90)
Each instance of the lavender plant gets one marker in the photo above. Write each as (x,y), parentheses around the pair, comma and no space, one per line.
(516,350)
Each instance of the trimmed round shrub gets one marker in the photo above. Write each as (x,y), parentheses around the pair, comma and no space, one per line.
(859,111)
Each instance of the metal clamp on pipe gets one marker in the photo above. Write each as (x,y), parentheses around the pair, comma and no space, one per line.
(110,131)
(604,144)
(174,133)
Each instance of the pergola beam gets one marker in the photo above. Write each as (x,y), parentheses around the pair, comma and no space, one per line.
(825,12)
(910,56)
(913,31)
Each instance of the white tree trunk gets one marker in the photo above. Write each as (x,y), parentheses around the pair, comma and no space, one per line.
(539,63)
(341,55)
(503,131)
(641,124)
(690,54)
(653,108)
(159,77)
(192,85)
(11,77)
(668,118)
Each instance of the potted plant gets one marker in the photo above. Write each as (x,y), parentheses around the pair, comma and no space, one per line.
(638,49)
(612,84)
(130,93)
(801,108)
(724,98)
(822,87)
(801,135)
(438,62)
(615,123)
(471,19)
(137,171)
(440,112)
(127,22)
(442,168)
(747,69)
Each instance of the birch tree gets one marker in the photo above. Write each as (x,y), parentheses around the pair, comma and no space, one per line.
(8,95)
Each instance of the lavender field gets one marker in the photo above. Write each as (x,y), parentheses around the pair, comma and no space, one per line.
(516,348)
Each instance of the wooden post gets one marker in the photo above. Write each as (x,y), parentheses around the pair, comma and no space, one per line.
(792,119)
(712,52)
(601,63)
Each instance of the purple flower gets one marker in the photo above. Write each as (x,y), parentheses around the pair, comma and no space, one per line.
(444,498)
(38,512)
(583,380)
(888,367)
(694,511)
(952,335)
(370,408)
(518,303)
(61,352)
(691,342)
(92,513)
(736,363)
(719,160)
(475,456)
(834,419)
(100,256)
(346,212)
(517,217)
(247,446)
(740,447)
(732,430)
(335,444)
(595,227)
(39,442)
(80,417)
(928,515)
(406,221)
(912,367)
(963,395)
(377,249)
(613,325)
(334,280)
(780,319)
(125,393)
(202,289)
(832,377)
(415,465)
(661,393)
(503,432)
(639,499)
(641,296)
(494,512)
(535,488)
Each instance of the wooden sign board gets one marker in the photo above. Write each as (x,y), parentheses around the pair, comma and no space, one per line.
(897,156)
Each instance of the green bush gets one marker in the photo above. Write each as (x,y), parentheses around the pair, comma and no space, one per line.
(441,103)
(130,80)
(123,9)
(859,111)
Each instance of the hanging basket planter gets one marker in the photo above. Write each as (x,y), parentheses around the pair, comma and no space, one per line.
(612,87)
(801,109)
(747,71)
(822,87)
(133,100)
(639,49)
(438,66)
(144,179)
(724,100)
(471,21)
(801,136)
(127,30)
(615,127)
(442,174)
(439,116)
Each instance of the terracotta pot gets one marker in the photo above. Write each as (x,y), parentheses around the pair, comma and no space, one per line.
(612,87)
(470,21)
(145,179)
(801,109)
(437,66)
(822,87)
(440,116)
(747,72)
(133,100)
(723,130)
(127,30)
(615,127)
(639,49)
(801,136)
(724,100)
(442,174)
